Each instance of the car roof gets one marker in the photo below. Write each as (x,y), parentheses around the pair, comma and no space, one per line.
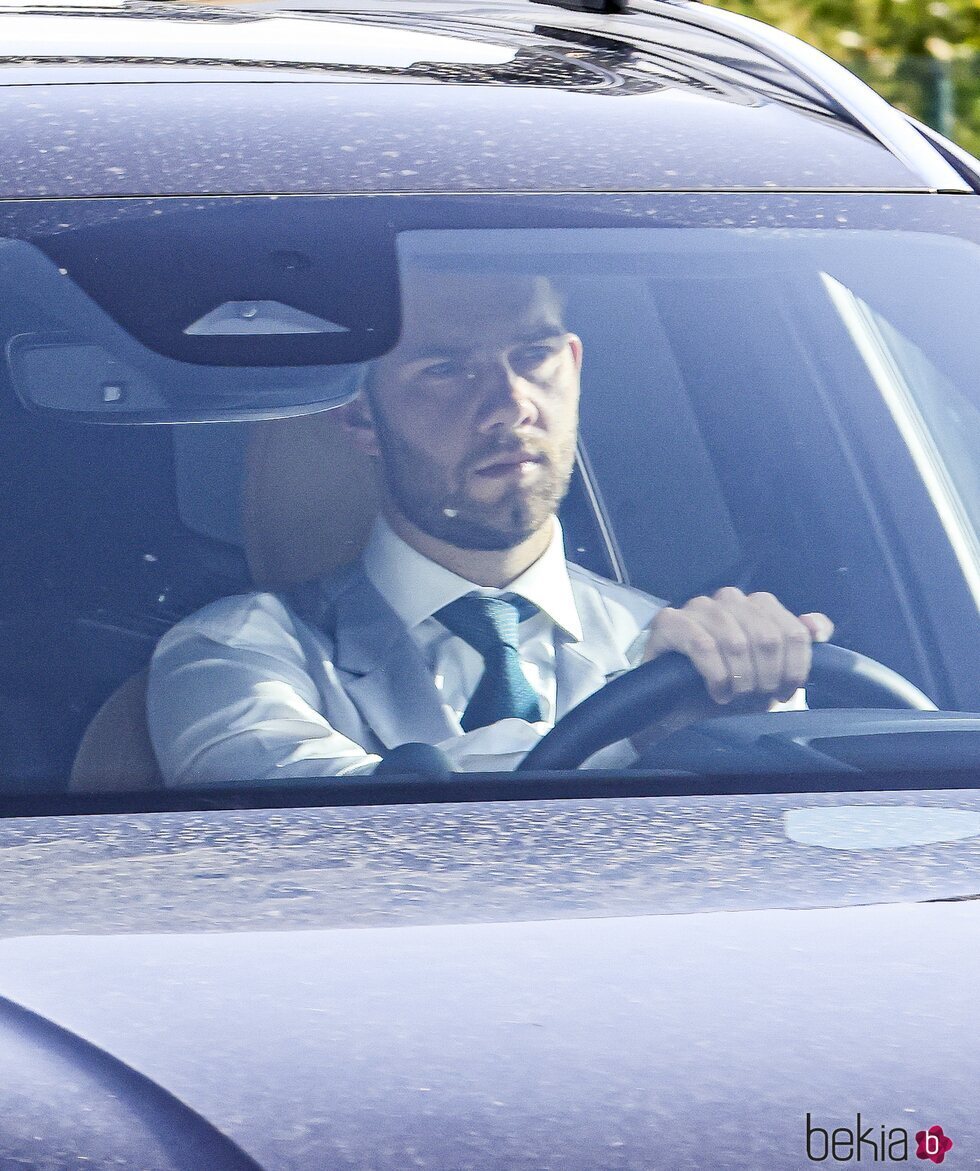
(140,98)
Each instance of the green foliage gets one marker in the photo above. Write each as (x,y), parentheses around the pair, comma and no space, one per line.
(922,55)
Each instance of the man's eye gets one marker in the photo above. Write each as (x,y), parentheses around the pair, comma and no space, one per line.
(438,371)
(530,357)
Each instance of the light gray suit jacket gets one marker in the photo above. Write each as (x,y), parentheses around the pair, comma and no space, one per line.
(251,688)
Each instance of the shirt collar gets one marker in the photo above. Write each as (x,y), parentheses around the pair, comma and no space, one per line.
(415,587)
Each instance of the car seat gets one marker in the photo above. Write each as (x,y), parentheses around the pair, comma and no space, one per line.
(309,498)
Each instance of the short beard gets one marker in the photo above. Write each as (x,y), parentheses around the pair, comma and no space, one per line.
(434,509)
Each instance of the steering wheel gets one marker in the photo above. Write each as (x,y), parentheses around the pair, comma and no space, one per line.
(647,693)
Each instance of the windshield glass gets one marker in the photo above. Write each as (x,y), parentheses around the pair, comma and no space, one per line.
(567,436)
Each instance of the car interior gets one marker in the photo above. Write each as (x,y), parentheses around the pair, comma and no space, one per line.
(111,534)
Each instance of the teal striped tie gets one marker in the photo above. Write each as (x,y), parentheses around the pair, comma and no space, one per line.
(489,625)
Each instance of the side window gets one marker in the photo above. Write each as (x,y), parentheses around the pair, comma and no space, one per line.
(939,422)
(651,462)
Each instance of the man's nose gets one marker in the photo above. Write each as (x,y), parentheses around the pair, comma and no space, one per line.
(508,398)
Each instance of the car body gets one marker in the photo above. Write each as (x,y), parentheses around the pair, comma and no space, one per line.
(759,947)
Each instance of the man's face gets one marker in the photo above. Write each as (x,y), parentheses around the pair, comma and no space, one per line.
(475,411)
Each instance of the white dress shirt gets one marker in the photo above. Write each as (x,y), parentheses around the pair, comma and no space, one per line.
(261,703)
(417,588)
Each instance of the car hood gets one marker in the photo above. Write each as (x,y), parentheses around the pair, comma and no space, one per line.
(594,1020)
(685,1041)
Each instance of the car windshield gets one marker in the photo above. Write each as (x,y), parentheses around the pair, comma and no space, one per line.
(266,464)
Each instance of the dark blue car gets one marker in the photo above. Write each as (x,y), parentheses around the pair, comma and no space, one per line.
(272,893)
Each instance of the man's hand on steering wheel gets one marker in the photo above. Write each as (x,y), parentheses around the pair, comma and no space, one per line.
(749,649)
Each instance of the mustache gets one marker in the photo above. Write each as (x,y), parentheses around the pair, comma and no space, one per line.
(507,447)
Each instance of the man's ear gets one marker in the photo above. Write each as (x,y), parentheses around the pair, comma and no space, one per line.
(575,345)
(358,421)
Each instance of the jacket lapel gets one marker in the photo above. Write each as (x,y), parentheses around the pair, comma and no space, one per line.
(581,668)
(383,670)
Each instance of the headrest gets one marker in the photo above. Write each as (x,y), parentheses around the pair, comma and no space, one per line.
(309,499)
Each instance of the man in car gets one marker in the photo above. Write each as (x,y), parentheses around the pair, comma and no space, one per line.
(462,625)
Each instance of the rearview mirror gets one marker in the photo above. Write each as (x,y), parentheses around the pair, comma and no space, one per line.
(225,310)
